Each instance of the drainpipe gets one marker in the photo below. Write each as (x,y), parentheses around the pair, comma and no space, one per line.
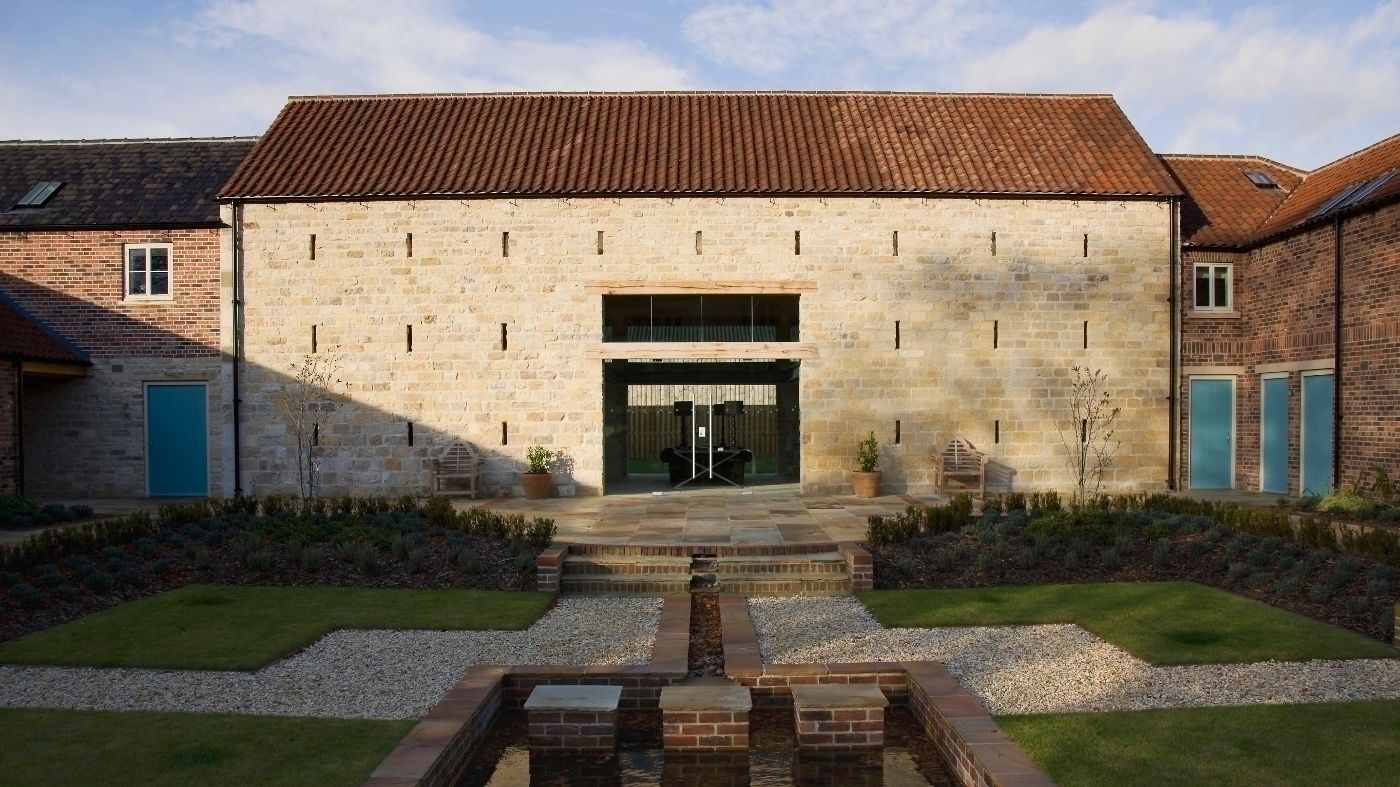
(1173,298)
(1337,353)
(19,428)
(237,347)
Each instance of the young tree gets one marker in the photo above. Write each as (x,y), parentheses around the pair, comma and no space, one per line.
(307,401)
(1087,430)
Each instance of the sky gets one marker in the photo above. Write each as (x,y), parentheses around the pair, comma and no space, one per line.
(1300,82)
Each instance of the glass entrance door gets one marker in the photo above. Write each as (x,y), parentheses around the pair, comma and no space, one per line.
(711,452)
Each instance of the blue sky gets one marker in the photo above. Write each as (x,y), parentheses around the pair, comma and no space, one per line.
(1302,82)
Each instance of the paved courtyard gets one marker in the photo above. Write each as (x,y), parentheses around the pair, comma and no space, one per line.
(776,514)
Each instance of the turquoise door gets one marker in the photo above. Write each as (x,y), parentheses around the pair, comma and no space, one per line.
(1212,424)
(177,440)
(1273,435)
(1317,434)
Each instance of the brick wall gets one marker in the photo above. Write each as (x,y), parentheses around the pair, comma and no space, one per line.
(1285,299)
(85,437)
(9,428)
(945,287)
(1370,375)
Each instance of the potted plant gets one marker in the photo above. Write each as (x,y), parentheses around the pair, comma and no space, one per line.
(866,480)
(536,480)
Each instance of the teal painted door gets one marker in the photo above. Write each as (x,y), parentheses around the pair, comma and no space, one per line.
(1273,435)
(1212,427)
(1317,434)
(177,441)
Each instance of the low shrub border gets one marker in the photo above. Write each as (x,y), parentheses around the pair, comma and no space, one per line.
(1257,553)
(58,575)
(21,513)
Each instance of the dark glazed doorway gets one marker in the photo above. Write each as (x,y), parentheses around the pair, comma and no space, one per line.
(679,425)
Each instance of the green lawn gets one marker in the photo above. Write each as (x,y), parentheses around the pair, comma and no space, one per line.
(1324,745)
(1162,622)
(60,747)
(244,628)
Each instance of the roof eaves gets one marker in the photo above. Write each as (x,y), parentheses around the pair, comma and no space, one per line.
(57,337)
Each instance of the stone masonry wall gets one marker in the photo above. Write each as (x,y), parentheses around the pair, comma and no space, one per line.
(945,287)
(85,437)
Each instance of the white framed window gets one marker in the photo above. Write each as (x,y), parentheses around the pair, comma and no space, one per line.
(1215,287)
(146,275)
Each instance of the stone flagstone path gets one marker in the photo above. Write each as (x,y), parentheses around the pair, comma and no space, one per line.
(1054,668)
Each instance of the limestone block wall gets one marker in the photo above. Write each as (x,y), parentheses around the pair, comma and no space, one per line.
(988,326)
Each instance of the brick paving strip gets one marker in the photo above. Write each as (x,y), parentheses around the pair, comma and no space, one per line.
(374,674)
(1053,668)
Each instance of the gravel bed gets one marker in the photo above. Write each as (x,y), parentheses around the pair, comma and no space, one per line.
(1054,668)
(374,674)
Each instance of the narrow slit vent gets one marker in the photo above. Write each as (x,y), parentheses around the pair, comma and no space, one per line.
(797,242)
(313,339)
(994,243)
(504,337)
(894,243)
(315,434)
(600,241)
(505,434)
(996,431)
(1086,244)
(699,242)
(1086,334)
(313,246)
(996,333)
(896,334)
(408,337)
(505,244)
(410,433)
(896,431)
(408,244)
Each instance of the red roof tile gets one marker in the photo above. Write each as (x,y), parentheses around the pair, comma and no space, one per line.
(699,143)
(1330,180)
(1222,206)
(24,338)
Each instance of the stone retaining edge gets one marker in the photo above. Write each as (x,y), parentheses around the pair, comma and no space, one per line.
(437,750)
(976,749)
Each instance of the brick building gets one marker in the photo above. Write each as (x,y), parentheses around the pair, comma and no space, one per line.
(502,269)
(111,312)
(1286,387)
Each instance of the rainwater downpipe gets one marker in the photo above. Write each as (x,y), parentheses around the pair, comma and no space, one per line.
(237,347)
(1173,373)
(1337,353)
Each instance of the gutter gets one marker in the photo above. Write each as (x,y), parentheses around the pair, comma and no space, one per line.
(237,304)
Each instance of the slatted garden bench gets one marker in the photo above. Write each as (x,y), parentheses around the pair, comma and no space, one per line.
(458,462)
(960,461)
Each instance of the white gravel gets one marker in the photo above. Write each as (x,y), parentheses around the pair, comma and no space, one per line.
(1054,669)
(354,674)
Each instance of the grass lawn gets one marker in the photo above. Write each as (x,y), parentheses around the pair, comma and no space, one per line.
(1162,622)
(244,628)
(1332,744)
(59,747)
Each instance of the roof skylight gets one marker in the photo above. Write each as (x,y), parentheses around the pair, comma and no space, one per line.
(1261,179)
(38,195)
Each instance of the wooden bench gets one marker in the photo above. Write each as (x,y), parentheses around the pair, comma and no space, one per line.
(960,461)
(458,462)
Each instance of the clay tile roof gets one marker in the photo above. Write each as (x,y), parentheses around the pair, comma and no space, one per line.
(560,144)
(1328,181)
(117,182)
(24,338)
(1223,207)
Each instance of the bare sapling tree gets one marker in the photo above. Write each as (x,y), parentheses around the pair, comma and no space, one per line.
(1087,430)
(307,402)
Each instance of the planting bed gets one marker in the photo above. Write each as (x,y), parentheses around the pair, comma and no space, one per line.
(1258,555)
(58,576)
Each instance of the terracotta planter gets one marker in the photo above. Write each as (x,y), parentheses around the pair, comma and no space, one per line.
(537,485)
(866,484)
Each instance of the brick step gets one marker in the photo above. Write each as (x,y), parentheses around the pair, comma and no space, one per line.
(778,584)
(627,565)
(626,584)
(818,563)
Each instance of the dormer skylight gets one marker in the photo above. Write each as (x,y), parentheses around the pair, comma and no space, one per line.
(37,196)
(1261,179)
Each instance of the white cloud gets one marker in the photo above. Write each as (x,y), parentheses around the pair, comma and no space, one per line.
(834,35)
(229,67)
(1254,82)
